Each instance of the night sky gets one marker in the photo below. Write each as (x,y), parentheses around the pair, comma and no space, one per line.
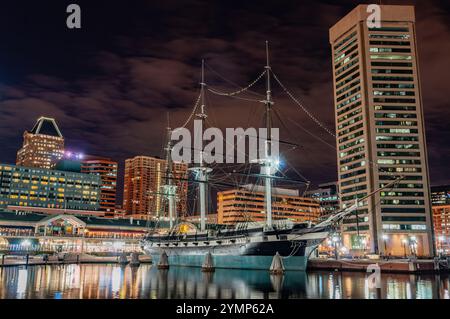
(111,84)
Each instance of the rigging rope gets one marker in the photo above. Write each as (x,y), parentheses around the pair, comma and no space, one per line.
(229,81)
(311,116)
(241,90)
(192,113)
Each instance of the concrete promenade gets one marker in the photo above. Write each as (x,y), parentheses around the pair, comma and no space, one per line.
(391,265)
(69,258)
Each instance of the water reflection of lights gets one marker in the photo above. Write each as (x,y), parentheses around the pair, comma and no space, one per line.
(116,280)
(22,283)
(113,281)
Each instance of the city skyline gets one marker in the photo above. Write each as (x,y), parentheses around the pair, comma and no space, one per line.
(107,101)
(234,153)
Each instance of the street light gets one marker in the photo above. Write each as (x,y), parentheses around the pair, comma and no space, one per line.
(335,241)
(364,245)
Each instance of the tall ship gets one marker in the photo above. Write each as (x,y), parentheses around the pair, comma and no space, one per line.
(250,245)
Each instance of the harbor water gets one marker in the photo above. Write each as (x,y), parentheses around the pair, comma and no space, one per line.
(95,281)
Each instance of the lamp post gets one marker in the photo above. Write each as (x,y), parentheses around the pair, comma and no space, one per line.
(364,245)
(335,241)
(441,240)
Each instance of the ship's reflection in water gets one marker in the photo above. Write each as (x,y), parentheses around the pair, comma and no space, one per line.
(113,281)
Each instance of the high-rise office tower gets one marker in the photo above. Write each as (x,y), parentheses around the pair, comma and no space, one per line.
(43,146)
(380,132)
(107,170)
(143,181)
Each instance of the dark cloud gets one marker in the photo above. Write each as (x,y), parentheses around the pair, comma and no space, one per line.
(111,84)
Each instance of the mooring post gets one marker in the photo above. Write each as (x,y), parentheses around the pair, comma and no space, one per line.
(135,259)
(123,259)
(208,264)
(277,266)
(27,259)
(163,261)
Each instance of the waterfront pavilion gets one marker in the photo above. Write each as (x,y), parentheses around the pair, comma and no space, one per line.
(69,233)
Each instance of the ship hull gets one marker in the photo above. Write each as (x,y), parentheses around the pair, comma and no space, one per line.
(245,255)
(298,263)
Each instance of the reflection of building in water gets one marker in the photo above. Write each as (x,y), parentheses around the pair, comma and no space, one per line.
(114,281)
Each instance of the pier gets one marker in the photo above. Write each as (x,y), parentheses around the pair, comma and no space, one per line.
(387,266)
(62,259)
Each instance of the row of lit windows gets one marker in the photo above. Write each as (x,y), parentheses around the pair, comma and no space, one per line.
(396,123)
(349,108)
(355,173)
(341,54)
(348,101)
(350,122)
(351,85)
(351,136)
(400,169)
(399,146)
(392,78)
(349,115)
(352,151)
(351,159)
(350,93)
(347,80)
(396,115)
(397,138)
(399,154)
(351,144)
(404,227)
(393,93)
(353,166)
(351,129)
(346,65)
(400,194)
(398,161)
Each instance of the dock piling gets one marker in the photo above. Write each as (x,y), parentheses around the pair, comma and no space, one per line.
(208,264)
(163,261)
(123,259)
(135,259)
(277,266)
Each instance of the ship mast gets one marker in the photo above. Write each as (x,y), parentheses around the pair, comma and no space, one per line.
(170,190)
(201,171)
(268,164)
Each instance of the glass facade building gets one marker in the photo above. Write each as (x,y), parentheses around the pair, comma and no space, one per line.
(380,132)
(40,187)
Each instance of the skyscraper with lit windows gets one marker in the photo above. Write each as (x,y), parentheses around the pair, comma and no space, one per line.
(107,170)
(143,181)
(43,146)
(380,132)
